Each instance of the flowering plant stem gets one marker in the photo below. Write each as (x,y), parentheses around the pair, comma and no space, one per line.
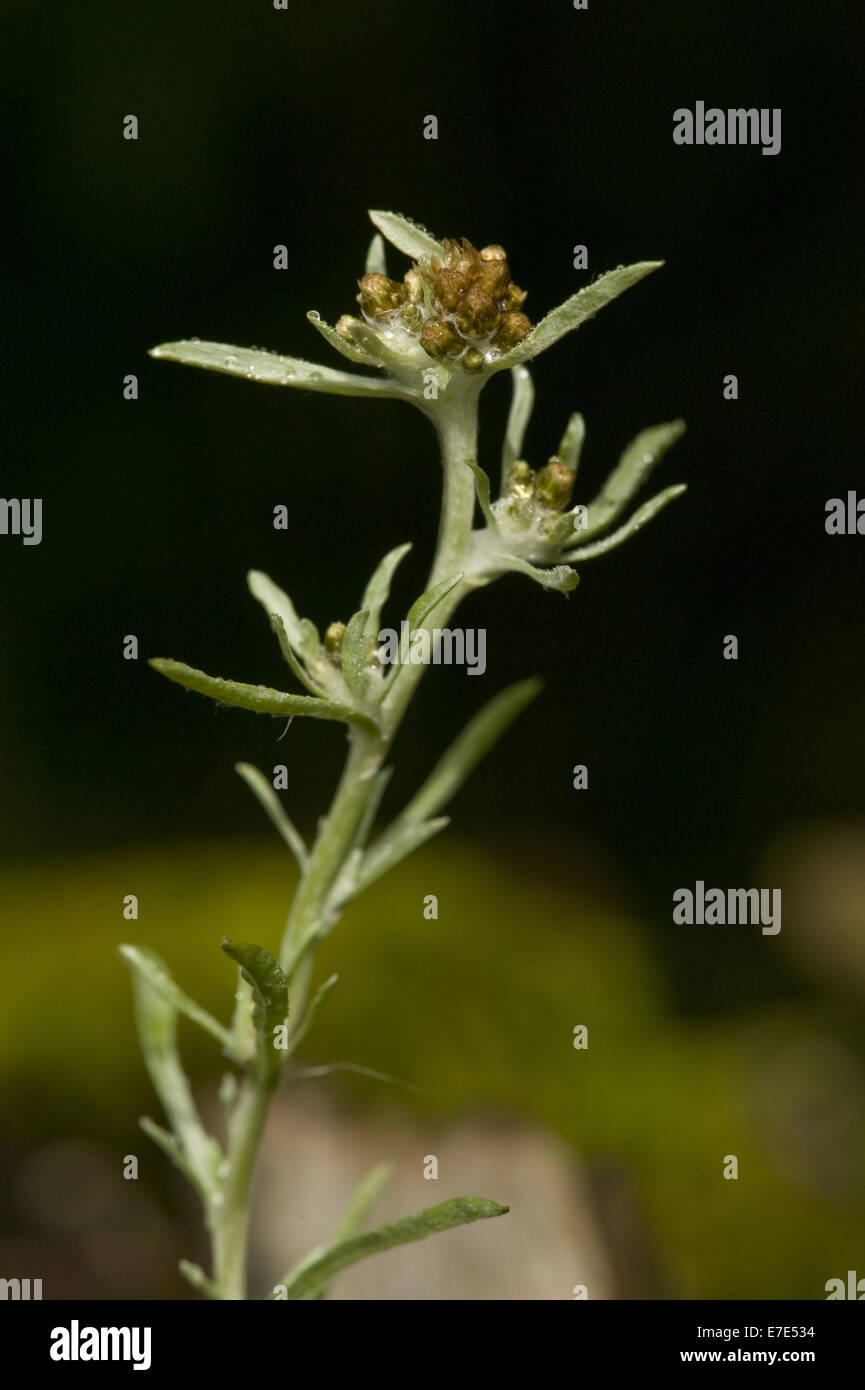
(455,322)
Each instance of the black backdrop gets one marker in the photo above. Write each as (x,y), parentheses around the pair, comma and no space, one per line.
(260,127)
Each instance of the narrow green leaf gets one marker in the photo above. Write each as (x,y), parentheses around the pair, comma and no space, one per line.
(276,603)
(522,401)
(371,809)
(634,466)
(395,844)
(273,370)
(354,654)
(198,1279)
(321,1265)
(258,698)
(156,1021)
(361,1203)
(264,792)
(571,445)
(559,577)
(467,750)
(377,591)
(375,259)
(575,311)
(353,351)
(172,1150)
(482,488)
(149,966)
(296,666)
(379,349)
(635,523)
(410,238)
(422,607)
(308,1019)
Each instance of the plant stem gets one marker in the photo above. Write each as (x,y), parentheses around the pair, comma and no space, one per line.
(456,423)
(230,1207)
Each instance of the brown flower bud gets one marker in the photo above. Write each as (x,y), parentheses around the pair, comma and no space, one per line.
(477,315)
(514,296)
(513,328)
(379,294)
(439,340)
(494,277)
(555,483)
(493,253)
(448,288)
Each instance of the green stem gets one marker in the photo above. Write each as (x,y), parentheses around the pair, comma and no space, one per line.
(229,1209)
(455,419)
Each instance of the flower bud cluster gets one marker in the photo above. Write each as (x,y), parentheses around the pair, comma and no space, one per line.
(464,309)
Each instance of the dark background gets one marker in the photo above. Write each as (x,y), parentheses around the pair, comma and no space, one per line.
(555,127)
(259,127)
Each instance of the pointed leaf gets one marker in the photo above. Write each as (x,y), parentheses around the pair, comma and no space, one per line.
(265,794)
(371,810)
(482,488)
(261,699)
(321,994)
(156,1021)
(375,258)
(571,444)
(634,466)
(522,401)
(408,237)
(362,1201)
(322,1264)
(149,966)
(353,351)
(575,311)
(395,844)
(467,750)
(270,995)
(274,370)
(198,1279)
(422,607)
(559,577)
(300,632)
(354,654)
(635,523)
(377,591)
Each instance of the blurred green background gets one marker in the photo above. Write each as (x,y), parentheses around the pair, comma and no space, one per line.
(260,127)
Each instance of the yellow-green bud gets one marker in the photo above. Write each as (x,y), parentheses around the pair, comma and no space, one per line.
(473,360)
(519,482)
(333,639)
(344,326)
(413,282)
